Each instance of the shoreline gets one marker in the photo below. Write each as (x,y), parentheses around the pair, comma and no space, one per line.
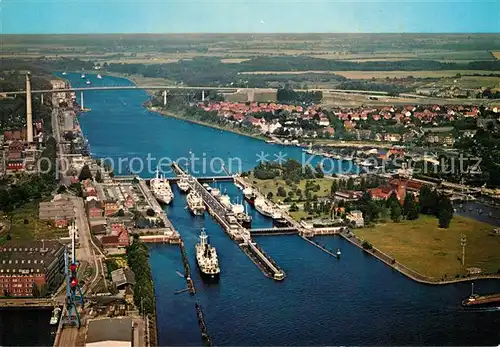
(409,273)
(209,125)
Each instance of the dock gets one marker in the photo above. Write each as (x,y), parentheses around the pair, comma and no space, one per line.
(27,302)
(274,231)
(327,251)
(235,230)
(203,327)
(187,269)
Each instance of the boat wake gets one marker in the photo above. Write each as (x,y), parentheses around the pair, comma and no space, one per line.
(483,309)
(180,275)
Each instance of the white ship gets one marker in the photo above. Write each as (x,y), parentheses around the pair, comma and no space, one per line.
(55,316)
(215,192)
(265,209)
(241,214)
(195,203)
(64,73)
(225,200)
(183,183)
(206,256)
(99,76)
(88,82)
(161,188)
(83,76)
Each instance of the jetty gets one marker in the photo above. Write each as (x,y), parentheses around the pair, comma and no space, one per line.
(234,230)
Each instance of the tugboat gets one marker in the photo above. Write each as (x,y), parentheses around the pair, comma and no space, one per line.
(475,300)
(195,203)
(206,256)
(249,195)
(338,253)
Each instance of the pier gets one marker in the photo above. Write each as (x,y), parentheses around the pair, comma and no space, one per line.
(327,251)
(235,230)
(187,269)
(274,231)
(201,322)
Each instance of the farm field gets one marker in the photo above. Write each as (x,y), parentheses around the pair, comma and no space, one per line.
(376,74)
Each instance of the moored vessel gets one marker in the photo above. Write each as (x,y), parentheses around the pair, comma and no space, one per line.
(161,189)
(225,200)
(195,203)
(206,256)
(55,316)
(475,300)
(265,209)
(88,82)
(183,183)
(99,76)
(249,195)
(241,214)
(83,76)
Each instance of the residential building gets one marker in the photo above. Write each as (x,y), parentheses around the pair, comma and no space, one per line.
(94,208)
(27,263)
(111,207)
(123,278)
(118,237)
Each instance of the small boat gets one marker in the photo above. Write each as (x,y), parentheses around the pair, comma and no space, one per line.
(83,76)
(88,82)
(55,316)
(338,252)
(64,73)
(99,76)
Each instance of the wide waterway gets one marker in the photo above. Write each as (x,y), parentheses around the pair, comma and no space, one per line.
(356,300)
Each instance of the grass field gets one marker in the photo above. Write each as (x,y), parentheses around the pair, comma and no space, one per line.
(435,252)
(267,186)
(359,75)
(468,82)
(34,229)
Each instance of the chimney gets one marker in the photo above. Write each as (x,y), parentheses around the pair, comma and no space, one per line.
(29,116)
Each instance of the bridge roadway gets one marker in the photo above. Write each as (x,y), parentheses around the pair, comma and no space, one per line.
(233,228)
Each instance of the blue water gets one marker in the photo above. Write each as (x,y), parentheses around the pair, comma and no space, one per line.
(356,300)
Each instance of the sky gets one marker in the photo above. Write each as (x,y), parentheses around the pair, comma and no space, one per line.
(244,16)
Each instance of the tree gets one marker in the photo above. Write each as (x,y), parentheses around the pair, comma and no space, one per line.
(61,189)
(293,208)
(85,174)
(410,207)
(150,212)
(396,213)
(350,183)
(334,188)
(270,196)
(445,213)
(393,200)
(319,171)
(98,176)
(121,213)
(281,191)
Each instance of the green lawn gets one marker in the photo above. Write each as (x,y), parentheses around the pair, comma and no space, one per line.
(34,229)
(266,186)
(435,252)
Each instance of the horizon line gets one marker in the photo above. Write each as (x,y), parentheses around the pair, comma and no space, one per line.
(259,33)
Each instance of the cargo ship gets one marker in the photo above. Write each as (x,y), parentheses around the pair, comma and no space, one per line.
(206,256)
(475,300)
(267,210)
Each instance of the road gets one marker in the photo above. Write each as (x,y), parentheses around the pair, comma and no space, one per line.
(87,246)
(67,337)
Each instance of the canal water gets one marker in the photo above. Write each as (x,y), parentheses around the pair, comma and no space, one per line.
(26,327)
(356,300)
